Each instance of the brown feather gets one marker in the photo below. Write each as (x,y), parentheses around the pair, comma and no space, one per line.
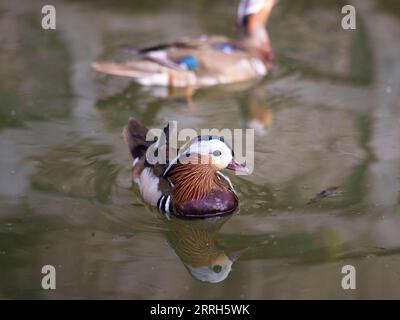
(194,244)
(135,134)
(194,181)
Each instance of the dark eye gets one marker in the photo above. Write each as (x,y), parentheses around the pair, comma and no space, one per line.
(188,154)
(217,268)
(216,153)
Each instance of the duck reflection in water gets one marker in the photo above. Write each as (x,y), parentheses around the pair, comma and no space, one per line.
(195,243)
(255,110)
(252,99)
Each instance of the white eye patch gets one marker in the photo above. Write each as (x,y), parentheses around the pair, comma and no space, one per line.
(219,152)
(211,147)
(217,149)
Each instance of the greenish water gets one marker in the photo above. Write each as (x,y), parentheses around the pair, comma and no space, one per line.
(327,116)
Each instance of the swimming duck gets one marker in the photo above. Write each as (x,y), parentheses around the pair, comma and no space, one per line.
(189,184)
(205,61)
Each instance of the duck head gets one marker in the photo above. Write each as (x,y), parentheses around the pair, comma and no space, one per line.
(208,150)
(252,18)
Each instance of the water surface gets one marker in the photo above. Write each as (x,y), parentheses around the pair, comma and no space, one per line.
(327,116)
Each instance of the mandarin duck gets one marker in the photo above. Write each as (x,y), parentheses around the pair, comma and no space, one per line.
(189,184)
(207,60)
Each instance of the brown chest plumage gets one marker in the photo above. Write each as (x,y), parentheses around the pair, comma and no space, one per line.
(198,191)
(216,202)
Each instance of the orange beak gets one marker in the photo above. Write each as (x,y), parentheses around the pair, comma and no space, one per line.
(237,167)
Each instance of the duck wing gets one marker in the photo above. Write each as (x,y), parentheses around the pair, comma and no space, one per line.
(197,62)
(148,176)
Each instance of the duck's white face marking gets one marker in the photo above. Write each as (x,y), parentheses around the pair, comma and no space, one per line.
(216,150)
(148,186)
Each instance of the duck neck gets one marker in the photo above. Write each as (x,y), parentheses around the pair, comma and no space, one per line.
(252,30)
(193,181)
(256,38)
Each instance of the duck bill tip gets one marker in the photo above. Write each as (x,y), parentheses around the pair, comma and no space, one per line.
(237,167)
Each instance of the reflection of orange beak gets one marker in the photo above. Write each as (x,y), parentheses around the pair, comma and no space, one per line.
(233,256)
(237,167)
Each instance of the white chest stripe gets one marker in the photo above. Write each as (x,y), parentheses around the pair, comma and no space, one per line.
(135,161)
(167,204)
(164,203)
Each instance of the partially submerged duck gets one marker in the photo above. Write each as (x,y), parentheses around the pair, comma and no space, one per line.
(205,61)
(190,184)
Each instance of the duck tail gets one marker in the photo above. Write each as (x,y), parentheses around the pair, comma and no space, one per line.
(117,69)
(135,135)
(152,76)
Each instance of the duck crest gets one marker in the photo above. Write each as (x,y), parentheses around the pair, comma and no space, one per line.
(194,181)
